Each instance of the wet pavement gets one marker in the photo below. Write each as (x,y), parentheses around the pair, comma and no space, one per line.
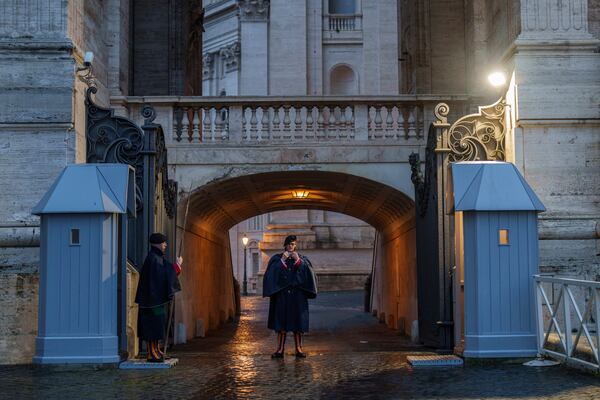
(350,356)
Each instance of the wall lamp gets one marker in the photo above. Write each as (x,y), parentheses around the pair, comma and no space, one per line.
(300,193)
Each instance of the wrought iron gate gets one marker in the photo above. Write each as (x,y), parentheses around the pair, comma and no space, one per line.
(114,139)
(474,137)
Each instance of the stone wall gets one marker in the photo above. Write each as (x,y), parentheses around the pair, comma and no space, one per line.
(554,92)
(395,278)
(158,51)
(206,281)
(42,125)
(594,18)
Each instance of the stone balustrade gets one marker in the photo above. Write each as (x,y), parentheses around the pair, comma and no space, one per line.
(263,120)
(343,22)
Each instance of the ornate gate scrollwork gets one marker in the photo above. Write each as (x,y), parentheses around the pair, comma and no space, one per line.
(475,137)
(115,139)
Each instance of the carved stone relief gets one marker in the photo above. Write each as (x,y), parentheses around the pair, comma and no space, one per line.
(561,18)
(230,56)
(208,65)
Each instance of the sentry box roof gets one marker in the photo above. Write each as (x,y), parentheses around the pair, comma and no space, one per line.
(490,186)
(91,188)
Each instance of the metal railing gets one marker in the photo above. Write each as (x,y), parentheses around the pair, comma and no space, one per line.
(265,120)
(568,313)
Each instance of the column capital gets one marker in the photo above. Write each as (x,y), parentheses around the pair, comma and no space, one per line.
(254,10)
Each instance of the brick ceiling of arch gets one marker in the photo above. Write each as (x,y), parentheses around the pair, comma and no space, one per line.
(221,205)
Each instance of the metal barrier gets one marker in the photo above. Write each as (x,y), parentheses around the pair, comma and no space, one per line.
(564,332)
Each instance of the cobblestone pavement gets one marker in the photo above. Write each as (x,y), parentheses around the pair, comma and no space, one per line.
(350,356)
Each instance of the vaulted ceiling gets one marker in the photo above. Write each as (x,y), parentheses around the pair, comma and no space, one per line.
(222,204)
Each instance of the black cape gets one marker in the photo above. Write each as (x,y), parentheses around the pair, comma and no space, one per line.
(158,284)
(289,288)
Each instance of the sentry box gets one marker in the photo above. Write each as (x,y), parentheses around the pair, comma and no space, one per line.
(496,238)
(82,253)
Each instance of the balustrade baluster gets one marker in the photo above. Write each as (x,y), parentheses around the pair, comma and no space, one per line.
(244,122)
(334,123)
(342,122)
(420,124)
(195,125)
(286,123)
(225,131)
(320,122)
(378,122)
(389,122)
(220,121)
(206,124)
(176,124)
(411,123)
(350,122)
(298,134)
(309,122)
(401,123)
(185,125)
(253,124)
(264,124)
(370,123)
(276,123)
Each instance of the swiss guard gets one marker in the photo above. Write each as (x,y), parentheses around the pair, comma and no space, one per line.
(289,281)
(157,286)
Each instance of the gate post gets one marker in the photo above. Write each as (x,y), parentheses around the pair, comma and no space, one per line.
(445,230)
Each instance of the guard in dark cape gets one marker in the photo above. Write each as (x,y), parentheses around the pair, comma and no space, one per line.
(289,281)
(157,286)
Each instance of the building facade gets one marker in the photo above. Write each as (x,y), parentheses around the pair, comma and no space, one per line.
(548,49)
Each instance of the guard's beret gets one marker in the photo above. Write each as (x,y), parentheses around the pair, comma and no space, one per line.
(157,238)
(289,239)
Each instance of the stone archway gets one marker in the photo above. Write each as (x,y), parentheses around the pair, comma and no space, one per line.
(217,206)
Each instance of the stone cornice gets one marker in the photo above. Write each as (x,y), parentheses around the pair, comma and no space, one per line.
(34,45)
(551,47)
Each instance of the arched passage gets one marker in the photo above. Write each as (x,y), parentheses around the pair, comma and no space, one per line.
(208,293)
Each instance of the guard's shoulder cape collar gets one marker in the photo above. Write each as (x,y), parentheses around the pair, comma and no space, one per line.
(156,251)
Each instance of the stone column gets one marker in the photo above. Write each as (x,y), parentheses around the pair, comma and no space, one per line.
(254,19)
(37,73)
(554,92)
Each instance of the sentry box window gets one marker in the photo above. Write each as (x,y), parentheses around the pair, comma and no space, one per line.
(74,237)
(503,237)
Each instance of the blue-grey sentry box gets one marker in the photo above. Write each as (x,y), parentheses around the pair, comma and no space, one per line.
(500,245)
(81,246)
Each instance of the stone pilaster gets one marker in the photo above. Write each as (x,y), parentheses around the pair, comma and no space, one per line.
(553,95)
(254,53)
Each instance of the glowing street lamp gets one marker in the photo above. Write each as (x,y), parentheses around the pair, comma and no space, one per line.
(497,79)
(245,283)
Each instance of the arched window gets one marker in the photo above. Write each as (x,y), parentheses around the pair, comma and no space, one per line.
(343,81)
(342,6)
